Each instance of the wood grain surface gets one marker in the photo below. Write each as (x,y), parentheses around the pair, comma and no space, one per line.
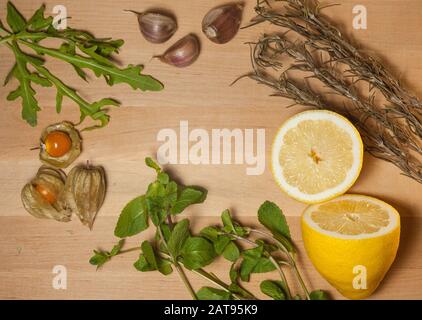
(200,94)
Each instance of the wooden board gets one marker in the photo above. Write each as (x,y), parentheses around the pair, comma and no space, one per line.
(200,94)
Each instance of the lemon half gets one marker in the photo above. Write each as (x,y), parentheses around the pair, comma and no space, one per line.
(352,241)
(316,156)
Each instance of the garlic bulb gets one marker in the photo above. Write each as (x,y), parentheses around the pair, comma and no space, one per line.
(222,23)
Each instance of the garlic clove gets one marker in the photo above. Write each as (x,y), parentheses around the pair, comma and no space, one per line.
(222,23)
(183,53)
(156,26)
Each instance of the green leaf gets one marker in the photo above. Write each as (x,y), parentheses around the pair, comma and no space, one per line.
(210,233)
(319,295)
(163,178)
(178,237)
(207,293)
(29,102)
(116,249)
(234,273)
(59,101)
(171,192)
(142,264)
(149,254)
(231,252)
(237,289)
(187,197)
(38,21)
(250,260)
(36,78)
(263,265)
(15,20)
(221,243)
(271,217)
(152,164)
(227,222)
(133,219)
(197,252)
(99,259)
(273,289)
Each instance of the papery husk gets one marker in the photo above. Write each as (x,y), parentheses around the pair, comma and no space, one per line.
(36,205)
(85,191)
(65,160)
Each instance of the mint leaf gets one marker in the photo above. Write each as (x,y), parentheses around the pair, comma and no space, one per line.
(149,254)
(133,219)
(163,178)
(227,222)
(197,252)
(15,20)
(143,265)
(319,295)
(187,197)
(116,249)
(273,289)
(251,258)
(99,258)
(231,252)
(210,233)
(207,293)
(178,237)
(263,265)
(271,217)
(152,164)
(221,243)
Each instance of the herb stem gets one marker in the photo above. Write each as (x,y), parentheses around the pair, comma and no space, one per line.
(274,262)
(292,261)
(129,250)
(178,268)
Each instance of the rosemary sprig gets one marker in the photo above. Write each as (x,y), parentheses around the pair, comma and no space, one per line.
(175,247)
(391,130)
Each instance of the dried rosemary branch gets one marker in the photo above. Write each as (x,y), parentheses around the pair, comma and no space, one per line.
(391,132)
(304,18)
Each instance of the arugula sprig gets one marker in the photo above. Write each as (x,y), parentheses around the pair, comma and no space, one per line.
(78,48)
(175,248)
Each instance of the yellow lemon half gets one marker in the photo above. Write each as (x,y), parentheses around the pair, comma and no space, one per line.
(352,241)
(316,156)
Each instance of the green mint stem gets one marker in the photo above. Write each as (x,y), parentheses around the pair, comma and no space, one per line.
(178,268)
(291,259)
(274,262)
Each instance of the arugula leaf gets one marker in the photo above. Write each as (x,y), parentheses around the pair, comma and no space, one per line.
(133,219)
(197,252)
(271,217)
(187,197)
(38,21)
(231,252)
(178,237)
(273,289)
(319,295)
(207,293)
(30,105)
(15,20)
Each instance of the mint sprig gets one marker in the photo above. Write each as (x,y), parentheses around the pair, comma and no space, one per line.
(78,48)
(249,251)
